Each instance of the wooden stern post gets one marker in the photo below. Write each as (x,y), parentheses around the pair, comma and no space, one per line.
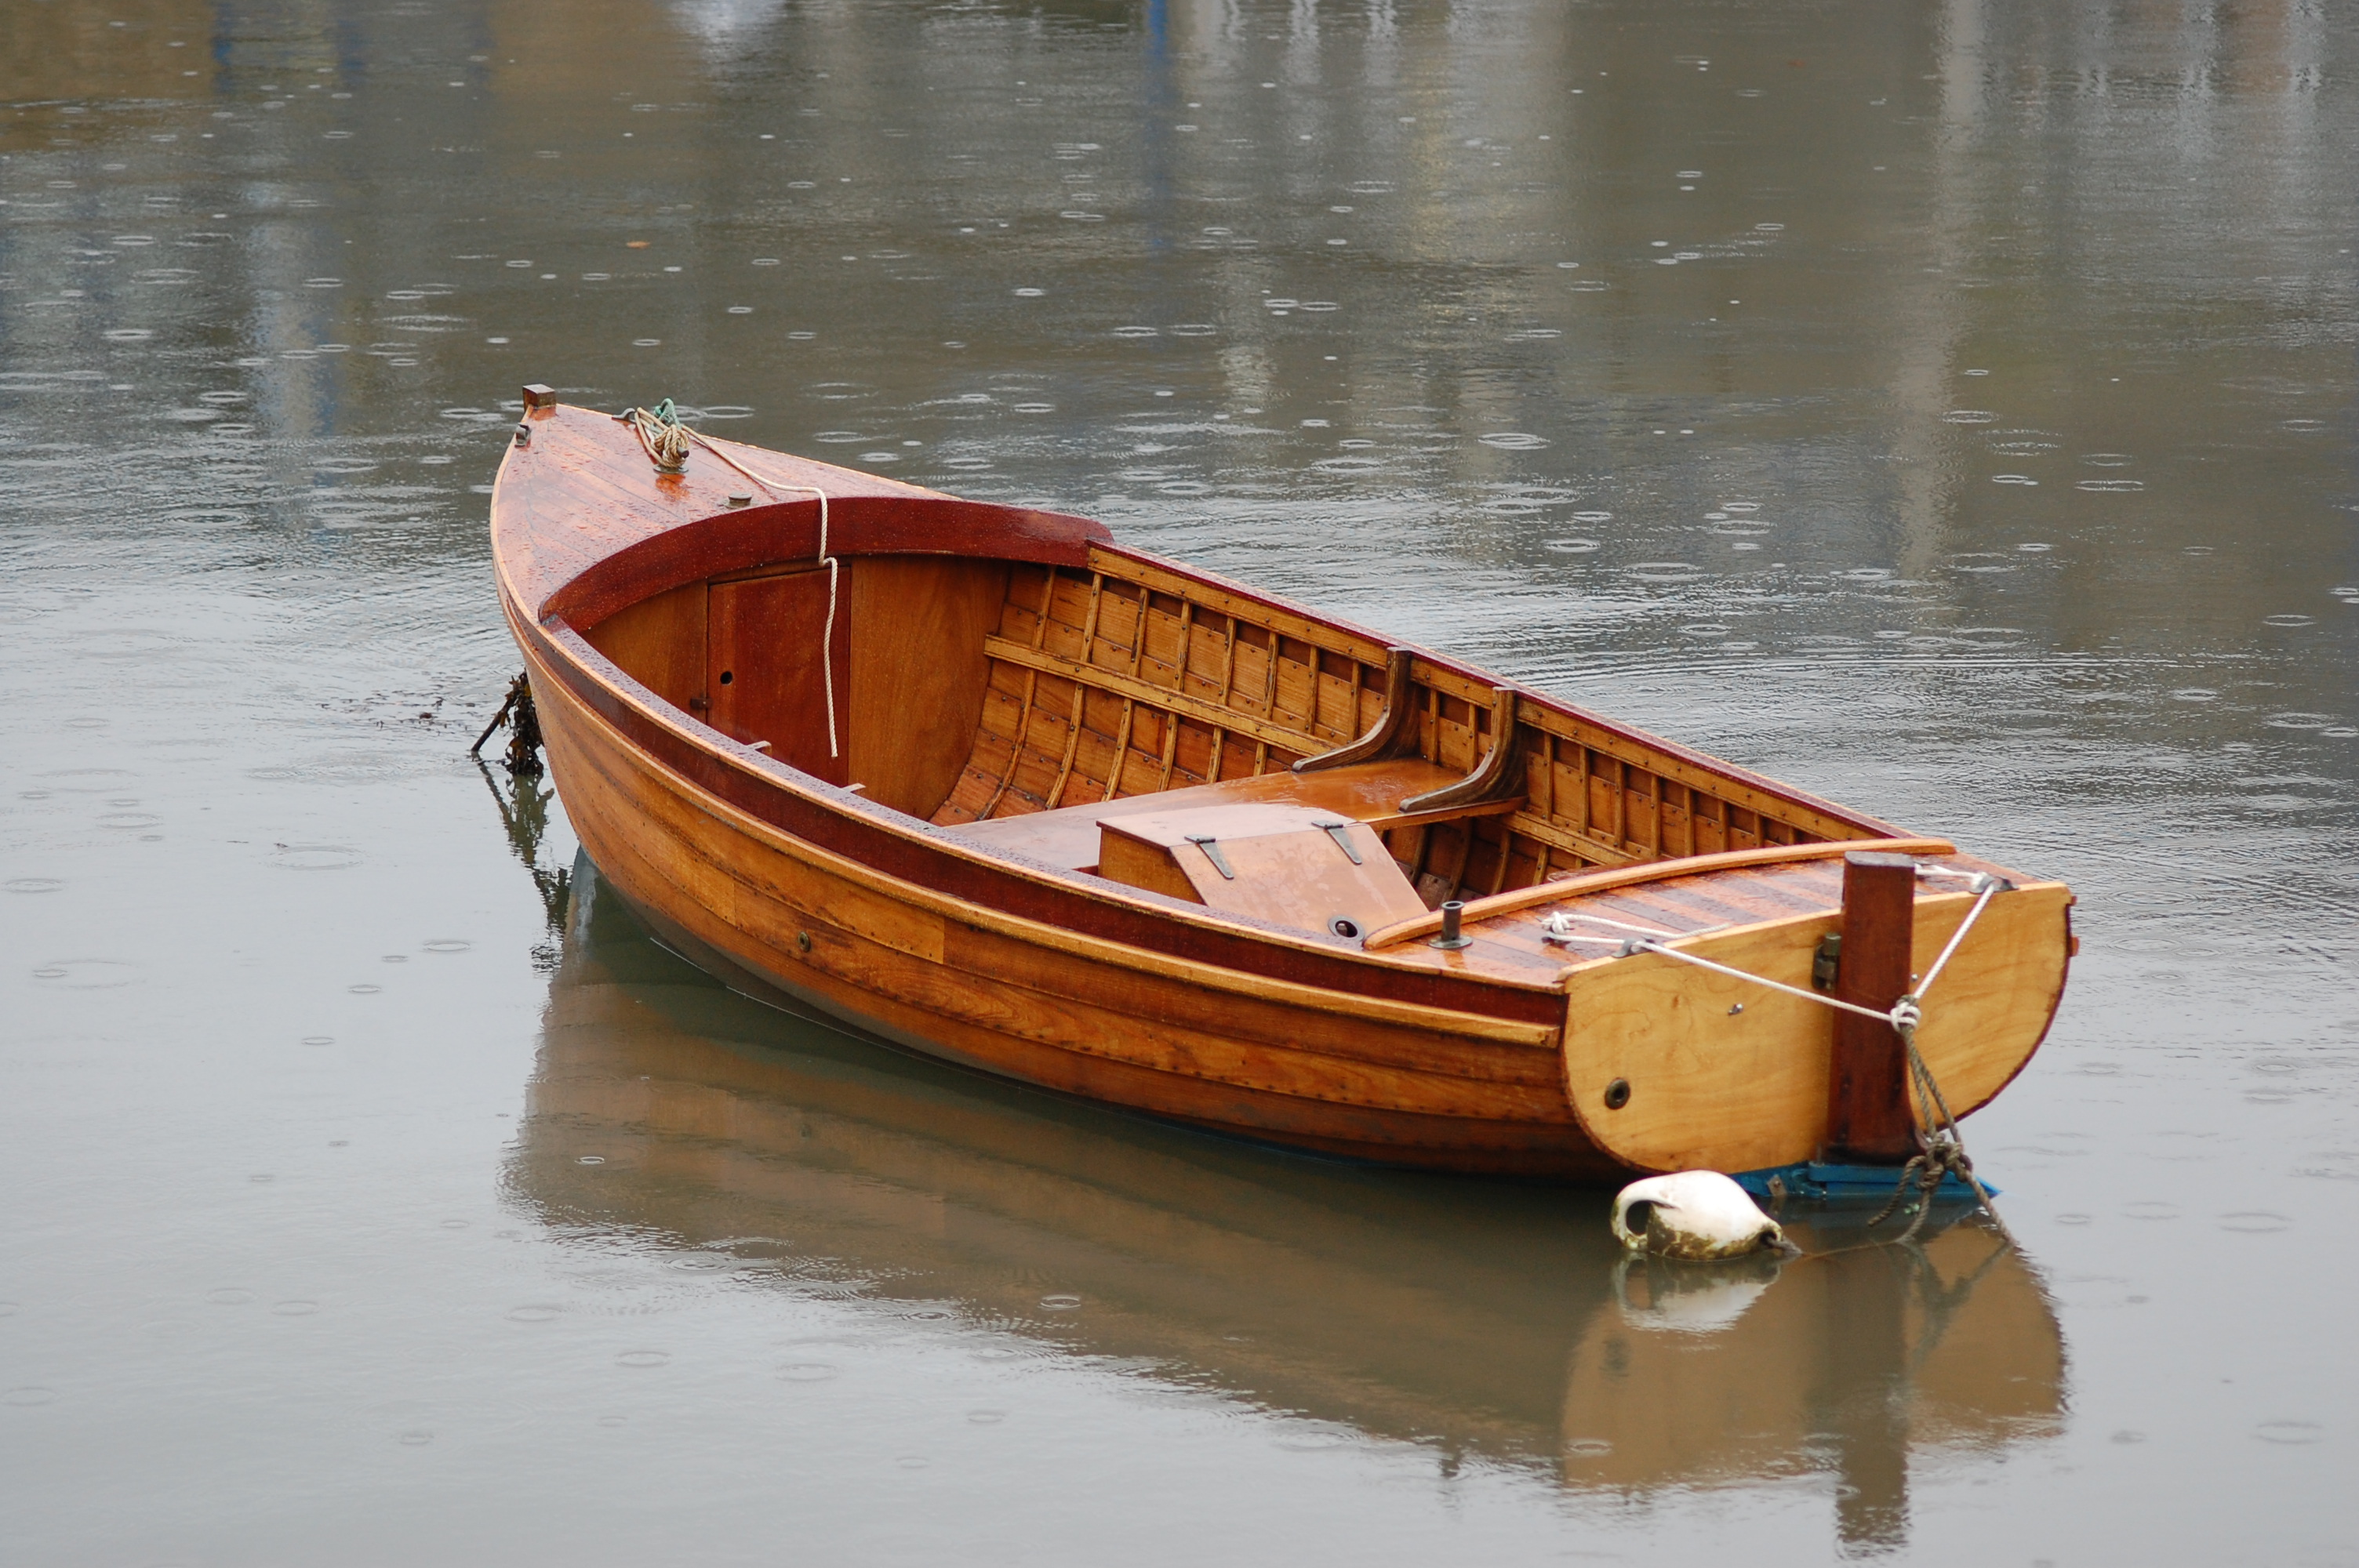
(1867,1082)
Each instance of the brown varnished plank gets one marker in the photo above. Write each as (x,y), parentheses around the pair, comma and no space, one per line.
(1533,1063)
(660,641)
(582,512)
(1069,836)
(1284,864)
(1049,662)
(917,672)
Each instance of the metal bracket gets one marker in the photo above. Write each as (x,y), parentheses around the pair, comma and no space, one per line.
(1211,847)
(1341,833)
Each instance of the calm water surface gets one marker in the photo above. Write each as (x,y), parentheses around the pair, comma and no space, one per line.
(1947,406)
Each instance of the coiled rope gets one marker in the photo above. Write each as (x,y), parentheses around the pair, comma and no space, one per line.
(661,433)
(666,441)
(1945,1150)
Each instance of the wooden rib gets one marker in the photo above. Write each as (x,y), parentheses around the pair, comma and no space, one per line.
(1129,704)
(1580,823)
(1031,689)
(1546,810)
(1081,697)
(1382,737)
(1072,747)
(1121,747)
(1489,778)
(1148,692)
(1179,689)
(1170,750)
(1187,646)
(1649,872)
(1228,698)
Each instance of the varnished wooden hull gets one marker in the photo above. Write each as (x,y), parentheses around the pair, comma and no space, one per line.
(970,939)
(1406,1086)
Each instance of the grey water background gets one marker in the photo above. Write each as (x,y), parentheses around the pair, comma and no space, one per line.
(1945,406)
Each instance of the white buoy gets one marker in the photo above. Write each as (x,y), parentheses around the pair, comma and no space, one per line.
(1694,1214)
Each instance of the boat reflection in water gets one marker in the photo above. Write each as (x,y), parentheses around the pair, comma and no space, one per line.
(1486,1320)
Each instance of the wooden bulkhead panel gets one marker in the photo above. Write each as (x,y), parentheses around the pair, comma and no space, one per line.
(659,643)
(918,674)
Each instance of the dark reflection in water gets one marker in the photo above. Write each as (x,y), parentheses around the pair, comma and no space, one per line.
(1481,1319)
(524,800)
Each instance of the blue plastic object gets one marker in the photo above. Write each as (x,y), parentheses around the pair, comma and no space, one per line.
(1844,1183)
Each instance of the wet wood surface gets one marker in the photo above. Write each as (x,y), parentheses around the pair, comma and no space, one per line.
(1093,688)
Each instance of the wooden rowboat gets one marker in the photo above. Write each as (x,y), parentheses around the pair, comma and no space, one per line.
(994,787)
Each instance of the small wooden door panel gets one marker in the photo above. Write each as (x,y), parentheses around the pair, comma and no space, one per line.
(766,666)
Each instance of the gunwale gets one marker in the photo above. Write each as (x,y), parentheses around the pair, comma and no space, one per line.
(1509,993)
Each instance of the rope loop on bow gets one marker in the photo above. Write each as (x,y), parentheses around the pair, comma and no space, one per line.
(659,430)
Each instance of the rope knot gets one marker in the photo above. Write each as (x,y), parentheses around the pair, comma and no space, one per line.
(661,433)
